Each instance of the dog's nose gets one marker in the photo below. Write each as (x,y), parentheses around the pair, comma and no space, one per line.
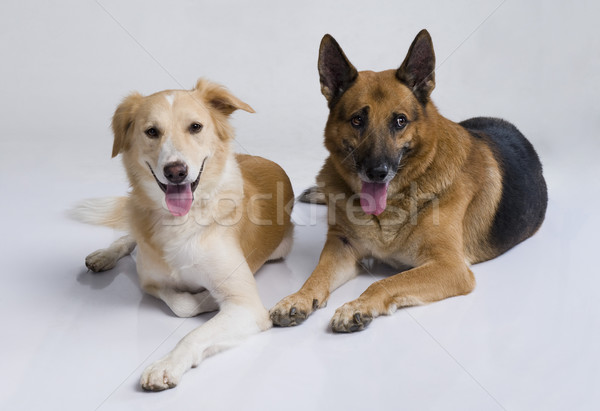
(175,172)
(378,173)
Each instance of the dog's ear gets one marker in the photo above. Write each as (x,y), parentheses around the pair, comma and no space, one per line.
(122,122)
(418,69)
(220,98)
(336,73)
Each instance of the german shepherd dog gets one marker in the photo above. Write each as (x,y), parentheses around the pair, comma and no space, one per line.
(409,187)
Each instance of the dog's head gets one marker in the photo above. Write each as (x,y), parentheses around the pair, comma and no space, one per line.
(376,119)
(175,140)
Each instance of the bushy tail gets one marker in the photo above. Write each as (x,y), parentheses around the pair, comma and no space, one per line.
(108,212)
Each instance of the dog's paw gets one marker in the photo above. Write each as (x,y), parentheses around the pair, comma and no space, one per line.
(101,260)
(161,375)
(351,317)
(294,309)
(313,195)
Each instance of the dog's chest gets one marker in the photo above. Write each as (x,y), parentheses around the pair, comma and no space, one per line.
(385,236)
(196,256)
(385,239)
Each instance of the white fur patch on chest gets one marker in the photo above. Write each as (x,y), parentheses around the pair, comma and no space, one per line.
(197,255)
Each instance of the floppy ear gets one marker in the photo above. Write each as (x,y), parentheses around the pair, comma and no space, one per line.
(336,73)
(418,69)
(220,98)
(123,120)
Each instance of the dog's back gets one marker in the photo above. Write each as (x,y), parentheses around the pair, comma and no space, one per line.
(267,210)
(524,199)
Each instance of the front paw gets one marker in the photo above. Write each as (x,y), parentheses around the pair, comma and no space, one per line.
(351,317)
(161,375)
(294,309)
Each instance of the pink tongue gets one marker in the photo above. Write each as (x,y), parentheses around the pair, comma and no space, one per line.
(373,197)
(179,199)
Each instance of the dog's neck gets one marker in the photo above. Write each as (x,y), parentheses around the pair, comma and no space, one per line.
(225,191)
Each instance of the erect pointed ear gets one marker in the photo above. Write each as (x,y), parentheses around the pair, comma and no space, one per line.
(336,73)
(220,98)
(122,121)
(418,69)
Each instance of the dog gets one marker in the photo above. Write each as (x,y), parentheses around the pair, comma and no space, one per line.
(203,218)
(406,186)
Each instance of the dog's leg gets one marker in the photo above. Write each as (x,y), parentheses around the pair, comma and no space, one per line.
(186,304)
(107,258)
(430,282)
(313,195)
(337,265)
(241,314)
(154,273)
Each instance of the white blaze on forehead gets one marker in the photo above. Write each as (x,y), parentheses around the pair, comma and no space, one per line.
(170,97)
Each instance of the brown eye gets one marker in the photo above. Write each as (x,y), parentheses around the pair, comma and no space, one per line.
(400,122)
(356,121)
(151,132)
(195,128)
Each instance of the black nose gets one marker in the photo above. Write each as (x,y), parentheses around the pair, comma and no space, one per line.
(378,173)
(175,172)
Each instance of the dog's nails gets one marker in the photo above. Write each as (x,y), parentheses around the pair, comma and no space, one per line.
(357,318)
(293,311)
(315,304)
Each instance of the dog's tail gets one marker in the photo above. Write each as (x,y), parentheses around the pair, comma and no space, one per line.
(313,195)
(108,212)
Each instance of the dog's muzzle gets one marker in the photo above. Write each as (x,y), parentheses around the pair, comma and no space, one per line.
(178,196)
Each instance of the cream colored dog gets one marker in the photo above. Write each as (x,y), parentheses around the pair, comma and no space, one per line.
(204,219)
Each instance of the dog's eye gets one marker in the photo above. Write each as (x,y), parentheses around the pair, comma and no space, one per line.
(356,121)
(400,121)
(195,128)
(151,132)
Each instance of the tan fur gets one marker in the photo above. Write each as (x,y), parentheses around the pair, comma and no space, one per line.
(440,206)
(264,182)
(260,176)
(205,258)
(123,120)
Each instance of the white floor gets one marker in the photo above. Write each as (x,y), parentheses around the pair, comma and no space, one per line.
(527,338)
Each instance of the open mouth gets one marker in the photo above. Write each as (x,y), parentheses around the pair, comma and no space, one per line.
(373,194)
(179,197)
(373,197)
